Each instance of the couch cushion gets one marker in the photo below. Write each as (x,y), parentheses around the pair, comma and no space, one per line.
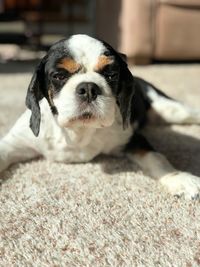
(186,3)
(177,33)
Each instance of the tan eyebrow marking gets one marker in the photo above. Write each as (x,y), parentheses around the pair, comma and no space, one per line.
(102,62)
(69,64)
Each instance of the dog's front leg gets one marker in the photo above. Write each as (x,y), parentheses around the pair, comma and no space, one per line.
(73,156)
(18,144)
(159,168)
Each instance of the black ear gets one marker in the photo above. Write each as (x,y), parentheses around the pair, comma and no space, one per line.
(123,56)
(125,93)
(126,86)
(36,91)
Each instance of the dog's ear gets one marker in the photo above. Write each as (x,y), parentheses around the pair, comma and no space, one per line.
(126,86)
(36,91)
(125,91)
(123,56)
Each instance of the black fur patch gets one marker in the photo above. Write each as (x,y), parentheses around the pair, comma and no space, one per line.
(138,142)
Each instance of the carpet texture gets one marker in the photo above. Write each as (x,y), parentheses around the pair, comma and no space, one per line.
(106,212)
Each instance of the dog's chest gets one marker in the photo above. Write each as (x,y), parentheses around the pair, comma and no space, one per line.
(81,145)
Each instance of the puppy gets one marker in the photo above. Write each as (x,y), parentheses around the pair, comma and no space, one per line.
(83,101)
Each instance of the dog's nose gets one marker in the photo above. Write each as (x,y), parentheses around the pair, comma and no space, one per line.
(88,91)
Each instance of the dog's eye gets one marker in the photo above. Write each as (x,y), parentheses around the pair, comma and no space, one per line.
(59,76)
(111,76)
(110,72)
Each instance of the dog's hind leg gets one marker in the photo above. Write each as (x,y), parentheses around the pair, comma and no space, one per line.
(170,110)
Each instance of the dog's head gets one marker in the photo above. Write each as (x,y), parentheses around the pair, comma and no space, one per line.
(83,80)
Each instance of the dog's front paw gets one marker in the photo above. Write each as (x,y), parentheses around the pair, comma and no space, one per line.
(182,183)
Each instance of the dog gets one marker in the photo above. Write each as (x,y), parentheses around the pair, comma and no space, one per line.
(83,101)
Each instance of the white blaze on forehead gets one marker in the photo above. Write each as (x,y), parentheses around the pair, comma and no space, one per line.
(85,49)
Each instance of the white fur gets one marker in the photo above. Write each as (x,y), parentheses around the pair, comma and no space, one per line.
(103,108)
(175,182)
(78,144)
(172,111)
(182,183)
(85,50)
(153,163)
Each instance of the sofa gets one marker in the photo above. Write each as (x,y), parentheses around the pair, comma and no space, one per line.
(149,30)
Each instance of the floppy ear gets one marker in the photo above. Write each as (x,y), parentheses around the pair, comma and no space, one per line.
(125,93)
(36,91)
(126,86)
(123,56)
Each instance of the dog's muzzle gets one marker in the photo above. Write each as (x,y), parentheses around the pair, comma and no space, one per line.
(88,91)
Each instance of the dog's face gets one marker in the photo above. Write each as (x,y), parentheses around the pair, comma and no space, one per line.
(84,80)
(82,76)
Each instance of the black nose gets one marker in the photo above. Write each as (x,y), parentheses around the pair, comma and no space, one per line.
(88,91)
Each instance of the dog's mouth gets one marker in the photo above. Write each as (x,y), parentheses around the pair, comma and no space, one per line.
(84,117)
(86,112)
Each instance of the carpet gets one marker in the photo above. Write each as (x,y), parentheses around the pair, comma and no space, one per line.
(106,212)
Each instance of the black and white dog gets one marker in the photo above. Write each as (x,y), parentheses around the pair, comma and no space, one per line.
(83,101)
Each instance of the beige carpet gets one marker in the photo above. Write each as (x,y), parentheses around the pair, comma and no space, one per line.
(104,213)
